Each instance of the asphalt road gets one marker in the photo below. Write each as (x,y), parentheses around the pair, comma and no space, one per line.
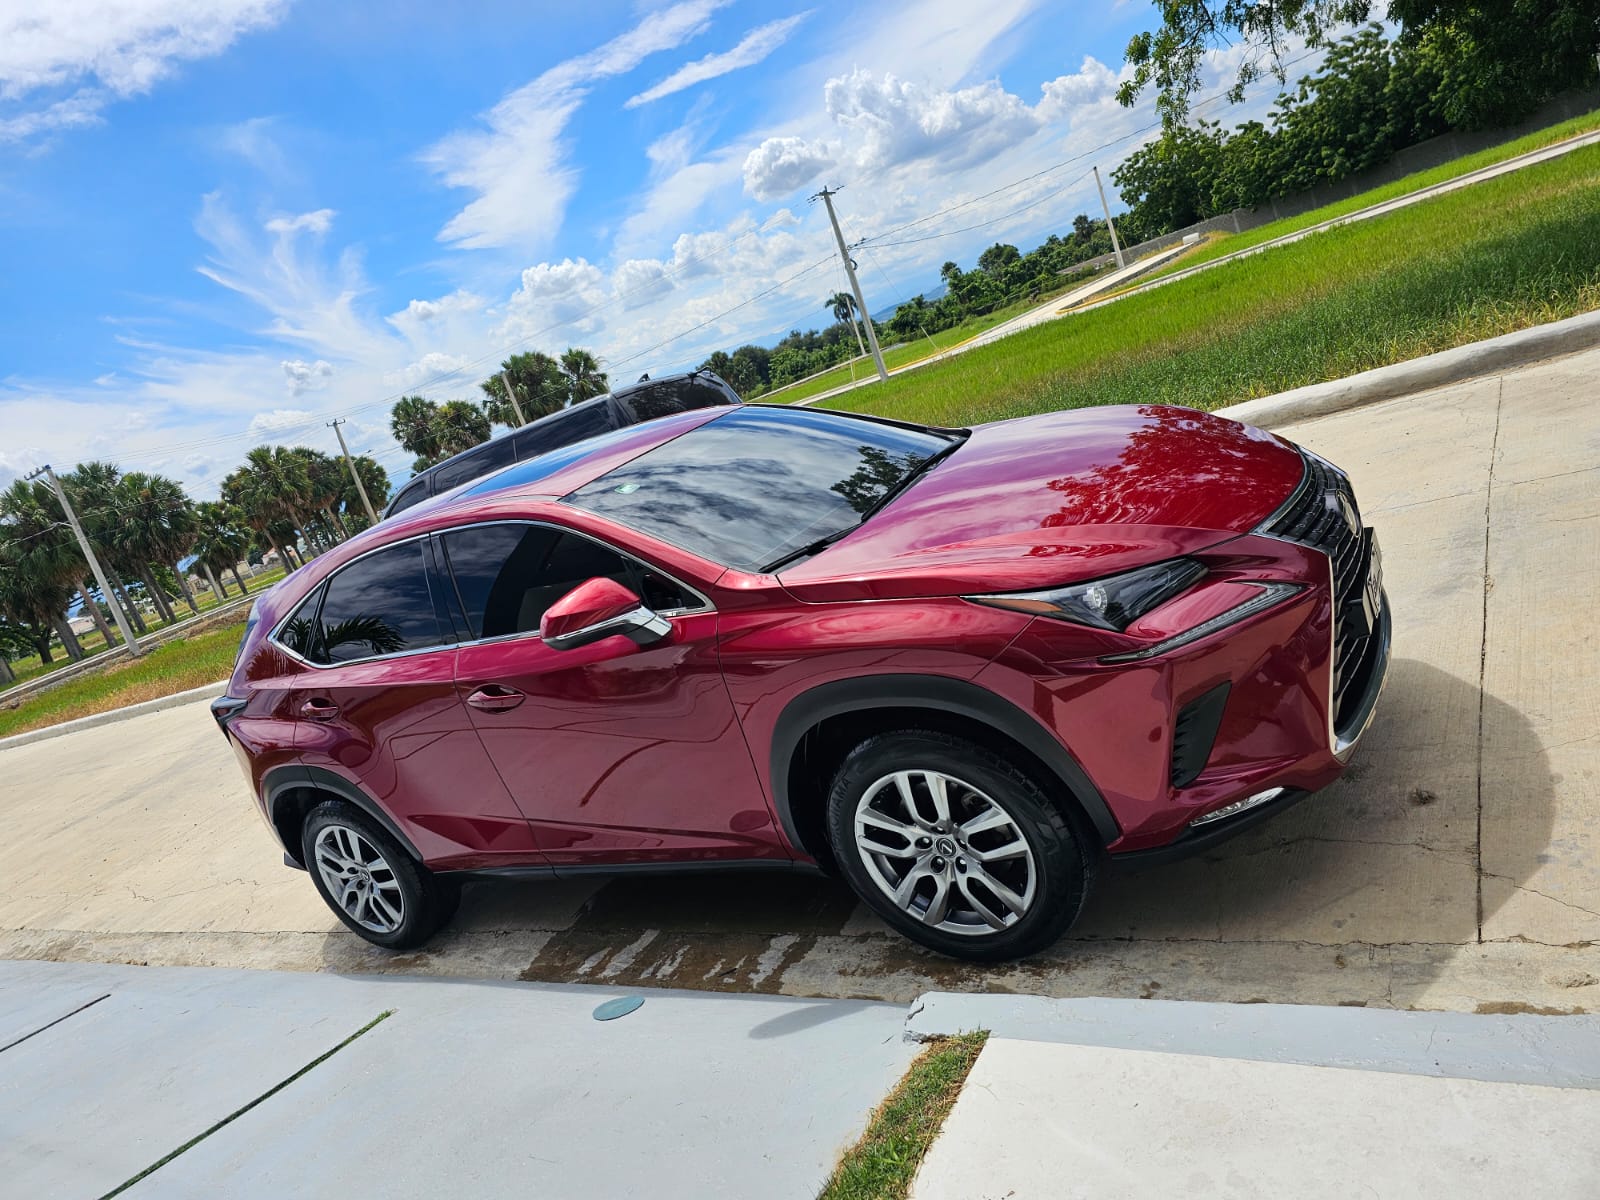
(1457,865)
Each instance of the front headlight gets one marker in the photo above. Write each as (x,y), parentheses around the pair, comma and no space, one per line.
(1113,603)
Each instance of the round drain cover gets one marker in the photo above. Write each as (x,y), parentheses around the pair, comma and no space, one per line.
(620,1007)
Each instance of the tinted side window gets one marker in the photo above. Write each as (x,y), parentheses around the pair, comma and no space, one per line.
(562,429)
(480,460)
(414,492)
(672,396)
(508,575)
(299,632)
(378,605)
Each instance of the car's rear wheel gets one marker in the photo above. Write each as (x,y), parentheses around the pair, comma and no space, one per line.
(955,847)
(369,880)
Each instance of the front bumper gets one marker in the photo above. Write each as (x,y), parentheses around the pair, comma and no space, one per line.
(1286,722)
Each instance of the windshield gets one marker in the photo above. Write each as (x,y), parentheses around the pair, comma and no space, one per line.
(753,488)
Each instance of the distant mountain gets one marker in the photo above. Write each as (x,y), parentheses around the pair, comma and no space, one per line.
(930,295)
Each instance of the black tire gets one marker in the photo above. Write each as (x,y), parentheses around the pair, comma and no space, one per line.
(425,903)
(1062,868)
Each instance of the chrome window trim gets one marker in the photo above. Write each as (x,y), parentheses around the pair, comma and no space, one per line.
(446,643)
(705,603)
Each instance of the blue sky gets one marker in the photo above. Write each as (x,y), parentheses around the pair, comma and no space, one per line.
(223,222)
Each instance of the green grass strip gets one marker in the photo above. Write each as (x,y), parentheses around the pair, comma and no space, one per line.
(237,1113)
(1415,182)
(882,1165)
(1502,255)
(193,662)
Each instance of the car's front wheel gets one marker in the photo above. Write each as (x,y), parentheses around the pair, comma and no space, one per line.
(369,880)
(955,847)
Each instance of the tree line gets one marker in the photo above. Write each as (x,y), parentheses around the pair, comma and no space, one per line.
(539,385)
(1002,275)
(1372,97)
(142,525)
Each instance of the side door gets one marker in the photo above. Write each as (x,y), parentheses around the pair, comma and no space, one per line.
(377,707)
(616,752)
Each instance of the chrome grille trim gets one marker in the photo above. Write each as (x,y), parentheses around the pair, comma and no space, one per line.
(1319,515)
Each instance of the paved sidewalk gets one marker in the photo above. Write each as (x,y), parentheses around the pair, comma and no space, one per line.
(473,1090)
(1108,1098)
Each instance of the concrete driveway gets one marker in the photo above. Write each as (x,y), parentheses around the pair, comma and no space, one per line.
(1454,867)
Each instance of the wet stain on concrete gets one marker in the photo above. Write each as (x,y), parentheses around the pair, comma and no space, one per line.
(722,932)
(713,962)
(719,903)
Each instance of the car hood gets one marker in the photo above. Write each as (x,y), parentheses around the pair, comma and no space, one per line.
(1054,499)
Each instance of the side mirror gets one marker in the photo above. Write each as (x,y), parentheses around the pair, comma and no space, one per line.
(597,609)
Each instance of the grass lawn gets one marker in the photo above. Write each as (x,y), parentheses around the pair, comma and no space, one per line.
(1218,246)
(913,351)
(883,1163)
(1498,256)
(92,643)
(177,667)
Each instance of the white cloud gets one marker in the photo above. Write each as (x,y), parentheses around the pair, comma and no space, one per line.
(779,165)
(268,425)
(753,48)
(640,281)
(62,63)
(518,165)
(319,222)
(431,367)
(306,376)
(556,294)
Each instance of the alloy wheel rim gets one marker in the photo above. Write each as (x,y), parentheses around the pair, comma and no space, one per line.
(945,853)
(359,879)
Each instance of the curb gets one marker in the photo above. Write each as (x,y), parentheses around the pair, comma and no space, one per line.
(1471,361)
(110,717)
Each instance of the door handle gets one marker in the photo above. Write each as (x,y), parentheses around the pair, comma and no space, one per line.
(319,710)
(495,697)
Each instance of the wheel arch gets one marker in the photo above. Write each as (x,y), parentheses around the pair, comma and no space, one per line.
(818,727)
(292,791)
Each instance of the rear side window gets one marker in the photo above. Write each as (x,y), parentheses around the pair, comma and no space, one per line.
(379,604)
(508,575)
(672,396)
(563,429)
(414,492)
(480,460)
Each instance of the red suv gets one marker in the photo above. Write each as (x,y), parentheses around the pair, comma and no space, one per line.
(962,668)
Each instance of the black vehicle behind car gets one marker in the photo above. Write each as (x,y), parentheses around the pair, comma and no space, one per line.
(626,405)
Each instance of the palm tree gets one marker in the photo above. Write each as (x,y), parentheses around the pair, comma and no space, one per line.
(376,482)
(43,562)
(325,479)
(268,490)
(92,487)
(461,425)
(585,379)
(413,423)
(540,384)
(221,543)
(158,519)
(843,307)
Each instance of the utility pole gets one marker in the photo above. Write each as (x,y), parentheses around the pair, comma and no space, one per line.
(354,474)
(512,392)
(1115,245)
(855,284)
(94,563)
